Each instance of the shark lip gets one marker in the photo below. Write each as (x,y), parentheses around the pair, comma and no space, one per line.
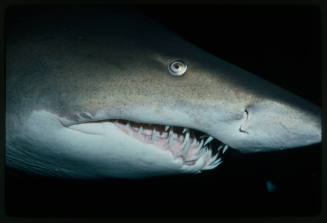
(188,144)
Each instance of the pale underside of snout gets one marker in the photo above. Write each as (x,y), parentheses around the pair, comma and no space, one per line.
(110,148)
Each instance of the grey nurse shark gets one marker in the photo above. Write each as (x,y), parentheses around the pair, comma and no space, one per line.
(118,95)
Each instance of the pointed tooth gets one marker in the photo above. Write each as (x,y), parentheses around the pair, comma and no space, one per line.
(209,139)
(140,130)
(184,130)
(166,128)
(197,151)
(219,148)
(225,148)
(204,161)
(194,143)
(195,157)
(128,125)
(209,155)
(219,160)
(213,159)
(200,146)
(153,134)
(213,165)
(208,168)
(171,138)
(186,139)
(187,145)
(200,163)
(184,151)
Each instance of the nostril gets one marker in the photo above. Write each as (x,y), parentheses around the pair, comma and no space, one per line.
(245,118)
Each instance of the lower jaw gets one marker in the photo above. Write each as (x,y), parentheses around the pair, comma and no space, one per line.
(183,143)
(187,145)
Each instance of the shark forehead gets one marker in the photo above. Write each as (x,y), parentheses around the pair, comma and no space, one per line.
(75,89)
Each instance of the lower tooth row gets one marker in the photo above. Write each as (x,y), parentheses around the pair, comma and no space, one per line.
(185,144)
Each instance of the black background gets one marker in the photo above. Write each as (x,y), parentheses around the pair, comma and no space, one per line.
(278,43)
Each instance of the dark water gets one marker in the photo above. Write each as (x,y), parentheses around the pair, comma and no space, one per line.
(236,188)
(282,45)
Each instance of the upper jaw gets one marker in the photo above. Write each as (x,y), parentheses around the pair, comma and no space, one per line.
(148,117)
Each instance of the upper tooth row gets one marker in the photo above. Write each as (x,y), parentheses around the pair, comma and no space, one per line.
(153,131)
(186,142)
(128,125)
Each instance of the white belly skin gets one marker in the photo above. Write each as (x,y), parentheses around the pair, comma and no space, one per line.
(46,147)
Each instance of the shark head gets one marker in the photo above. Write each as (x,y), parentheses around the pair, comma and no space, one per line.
(118,95)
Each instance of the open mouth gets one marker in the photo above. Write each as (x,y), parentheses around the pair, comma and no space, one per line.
(186,144)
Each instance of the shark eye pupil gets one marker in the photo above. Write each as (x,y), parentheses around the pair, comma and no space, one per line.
(177,68)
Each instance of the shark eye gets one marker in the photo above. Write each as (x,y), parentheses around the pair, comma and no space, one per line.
(177,68)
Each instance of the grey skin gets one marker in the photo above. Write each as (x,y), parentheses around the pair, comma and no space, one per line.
(114,66)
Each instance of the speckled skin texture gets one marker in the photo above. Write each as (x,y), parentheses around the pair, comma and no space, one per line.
(114,65)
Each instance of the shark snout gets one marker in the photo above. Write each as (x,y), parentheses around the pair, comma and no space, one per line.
(273,125)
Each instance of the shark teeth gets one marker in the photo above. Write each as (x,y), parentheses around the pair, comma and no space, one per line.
(185,145)
(128,125)
(186,139)
(213,164)
(166,128)
(153,134)
(219,148)
(140,130)
(209,139)
(171,137)
(200,146)
(182,143)
(225,148)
